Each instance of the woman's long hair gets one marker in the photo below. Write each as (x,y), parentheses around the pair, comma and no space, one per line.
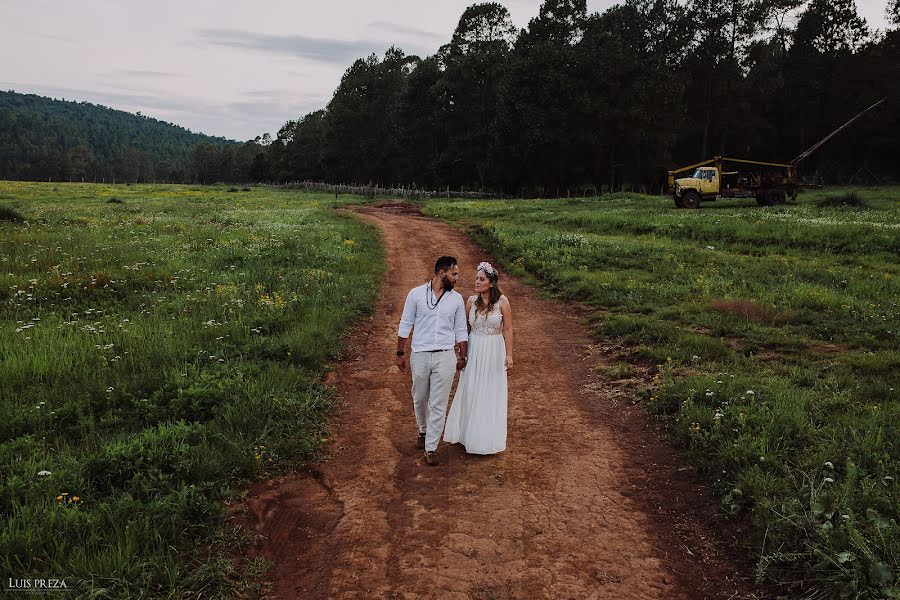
(494,295)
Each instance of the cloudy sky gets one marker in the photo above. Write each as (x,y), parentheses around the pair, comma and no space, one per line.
(229,68)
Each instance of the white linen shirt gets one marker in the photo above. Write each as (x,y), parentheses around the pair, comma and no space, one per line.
(433,329)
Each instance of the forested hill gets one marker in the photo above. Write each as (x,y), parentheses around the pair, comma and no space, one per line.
(42,138)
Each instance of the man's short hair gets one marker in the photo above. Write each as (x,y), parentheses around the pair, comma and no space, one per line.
(444,263)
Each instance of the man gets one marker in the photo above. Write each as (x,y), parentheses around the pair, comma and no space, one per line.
(437,316)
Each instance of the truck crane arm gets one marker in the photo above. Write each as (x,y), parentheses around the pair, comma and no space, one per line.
(832,134)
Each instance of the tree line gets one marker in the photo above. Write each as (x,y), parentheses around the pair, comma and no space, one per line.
(580,100)
(574,101)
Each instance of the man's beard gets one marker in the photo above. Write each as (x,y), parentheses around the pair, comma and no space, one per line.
(448,285)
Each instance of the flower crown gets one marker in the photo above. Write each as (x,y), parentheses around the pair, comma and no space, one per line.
(488,269)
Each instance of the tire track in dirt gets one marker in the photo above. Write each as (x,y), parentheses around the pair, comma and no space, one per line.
(587,502)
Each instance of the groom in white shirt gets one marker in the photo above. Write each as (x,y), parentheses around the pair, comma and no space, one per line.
(436,314)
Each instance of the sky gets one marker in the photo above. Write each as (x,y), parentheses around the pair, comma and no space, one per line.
(228,68)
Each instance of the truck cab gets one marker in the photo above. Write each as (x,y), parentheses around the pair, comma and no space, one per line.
(702,185)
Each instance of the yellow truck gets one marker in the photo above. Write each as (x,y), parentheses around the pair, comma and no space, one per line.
(769,183)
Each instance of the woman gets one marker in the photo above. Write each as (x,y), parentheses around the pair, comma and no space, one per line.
(477,417)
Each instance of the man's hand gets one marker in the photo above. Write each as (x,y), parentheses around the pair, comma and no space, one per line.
(460,363)
(401,362)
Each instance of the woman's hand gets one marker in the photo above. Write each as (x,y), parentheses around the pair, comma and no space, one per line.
(508,362)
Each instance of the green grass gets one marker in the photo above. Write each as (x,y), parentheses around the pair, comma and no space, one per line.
(160,345)
(776,335)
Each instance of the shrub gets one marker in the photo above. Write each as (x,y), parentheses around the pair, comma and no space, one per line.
(10,214)
(847,199)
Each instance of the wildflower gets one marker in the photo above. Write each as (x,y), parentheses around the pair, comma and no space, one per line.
(44,473)
(828,480)
(829,464)
(750,393)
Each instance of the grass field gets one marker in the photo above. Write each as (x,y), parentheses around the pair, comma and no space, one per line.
(775,337)
(158,346)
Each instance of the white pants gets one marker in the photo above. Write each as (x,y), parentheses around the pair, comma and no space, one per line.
(432,376)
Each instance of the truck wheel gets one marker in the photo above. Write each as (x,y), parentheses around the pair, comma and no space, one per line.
(690,200)
(677,202)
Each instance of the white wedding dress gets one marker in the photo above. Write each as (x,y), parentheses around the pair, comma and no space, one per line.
(477,417)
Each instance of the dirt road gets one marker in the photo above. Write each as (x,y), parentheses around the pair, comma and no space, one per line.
(587,501)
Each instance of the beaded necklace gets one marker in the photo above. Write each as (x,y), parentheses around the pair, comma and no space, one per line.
(437,298)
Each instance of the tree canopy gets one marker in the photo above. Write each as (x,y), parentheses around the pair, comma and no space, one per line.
(612,98)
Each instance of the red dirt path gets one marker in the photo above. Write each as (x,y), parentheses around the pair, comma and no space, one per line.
(588,501)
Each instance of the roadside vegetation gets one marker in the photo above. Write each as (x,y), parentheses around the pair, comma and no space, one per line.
(774,338)
(159,346)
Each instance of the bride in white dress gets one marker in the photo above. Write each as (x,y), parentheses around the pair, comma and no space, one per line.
(477,417)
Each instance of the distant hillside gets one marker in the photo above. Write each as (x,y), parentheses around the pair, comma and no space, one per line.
(42,138)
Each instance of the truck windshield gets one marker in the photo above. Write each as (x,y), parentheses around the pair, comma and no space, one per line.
(698,174)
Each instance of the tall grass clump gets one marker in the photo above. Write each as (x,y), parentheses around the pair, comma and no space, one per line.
(849,199)
(10,214)
(776,340)
(152,360)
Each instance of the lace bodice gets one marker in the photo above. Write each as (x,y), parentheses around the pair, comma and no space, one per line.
(489,324)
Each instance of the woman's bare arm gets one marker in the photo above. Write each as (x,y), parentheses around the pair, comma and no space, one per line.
(506,311)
